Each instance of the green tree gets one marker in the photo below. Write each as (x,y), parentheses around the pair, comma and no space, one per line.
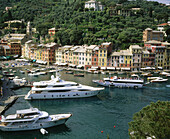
(152,120)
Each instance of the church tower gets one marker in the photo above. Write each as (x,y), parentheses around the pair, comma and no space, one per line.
(29,30)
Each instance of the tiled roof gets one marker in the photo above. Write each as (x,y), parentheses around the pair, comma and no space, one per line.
(50,44)
(136,47)
(125,52)
(80,50)
(163,24)
(115,54)
(91,47)
(52,29)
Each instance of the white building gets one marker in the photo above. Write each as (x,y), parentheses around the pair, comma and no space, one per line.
(94,4)
(81,54)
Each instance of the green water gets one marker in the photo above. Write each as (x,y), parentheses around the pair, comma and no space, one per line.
(112,107)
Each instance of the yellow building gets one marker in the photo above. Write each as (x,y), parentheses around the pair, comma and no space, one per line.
(125,58)
(102,56)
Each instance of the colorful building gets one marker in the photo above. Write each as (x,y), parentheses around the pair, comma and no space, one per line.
(149,34)
(105,50)
(44,52)
(136,50)
(95,56)
(88,58)
(121,60)
(125,59)
(167,55)
(145,58)
(81,52)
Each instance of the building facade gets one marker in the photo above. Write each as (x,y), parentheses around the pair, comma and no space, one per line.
(97,6)
(149,34)
(136,50)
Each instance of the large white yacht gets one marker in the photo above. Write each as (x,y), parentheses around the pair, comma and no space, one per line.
(57,89)
(31,119)
(134,82)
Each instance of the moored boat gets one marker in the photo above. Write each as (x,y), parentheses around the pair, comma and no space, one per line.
(58,89)
(121,82)
(159,80)
(31,119)
(164,73)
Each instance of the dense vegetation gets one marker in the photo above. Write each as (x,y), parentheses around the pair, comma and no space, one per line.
(78,25)
(152,120)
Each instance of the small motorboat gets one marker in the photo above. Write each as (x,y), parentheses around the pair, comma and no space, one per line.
(159,80)
(146,74)
(164,73)
(152,78)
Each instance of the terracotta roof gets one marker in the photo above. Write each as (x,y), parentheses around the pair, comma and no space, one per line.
(163,24)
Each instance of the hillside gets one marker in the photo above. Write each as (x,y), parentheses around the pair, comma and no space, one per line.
(78,25)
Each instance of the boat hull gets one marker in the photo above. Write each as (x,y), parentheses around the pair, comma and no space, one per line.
(119,85)
(61,95)
(35,126)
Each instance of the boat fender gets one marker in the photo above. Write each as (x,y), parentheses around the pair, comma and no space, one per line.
(43,131)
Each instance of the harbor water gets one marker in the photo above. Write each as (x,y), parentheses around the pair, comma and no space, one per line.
(106,115)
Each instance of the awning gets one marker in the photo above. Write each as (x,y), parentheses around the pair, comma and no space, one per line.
(142,68)
(72,65)
(117,68)
(160,68)
(25,60)
(103,68)
(62,64)
(56,63)
(41,62)
(80,66)
(111,68)
(94,67)
(125,68)
(148,68)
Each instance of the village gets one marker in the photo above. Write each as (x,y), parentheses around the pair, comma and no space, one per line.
(154,54)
